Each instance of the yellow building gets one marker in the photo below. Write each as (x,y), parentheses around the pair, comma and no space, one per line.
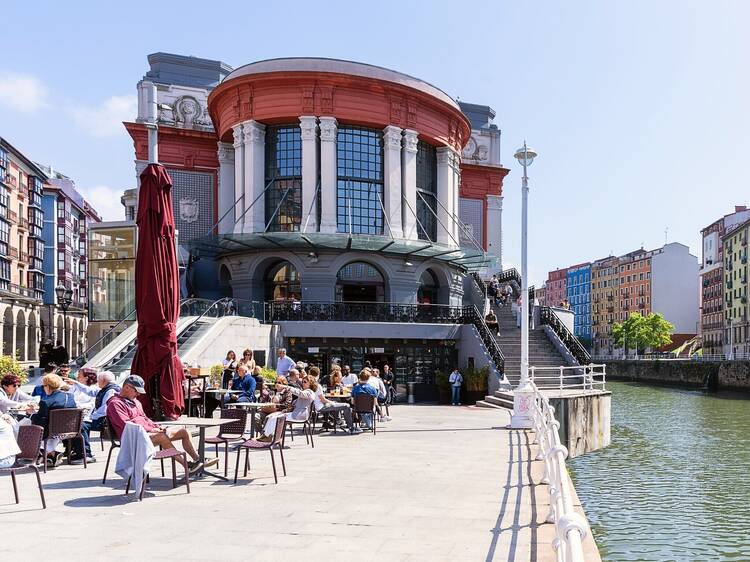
(735,290)
(605,309)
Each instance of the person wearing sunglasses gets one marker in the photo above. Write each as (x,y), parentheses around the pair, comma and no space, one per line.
(11,395)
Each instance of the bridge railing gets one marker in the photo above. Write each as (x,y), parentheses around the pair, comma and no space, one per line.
(571,528)
(578,377)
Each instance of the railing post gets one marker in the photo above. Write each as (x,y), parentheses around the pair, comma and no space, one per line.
(561,377)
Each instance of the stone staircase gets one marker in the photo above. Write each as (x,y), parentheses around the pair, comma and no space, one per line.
(542,353)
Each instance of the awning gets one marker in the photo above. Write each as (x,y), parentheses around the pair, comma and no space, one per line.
(219,245)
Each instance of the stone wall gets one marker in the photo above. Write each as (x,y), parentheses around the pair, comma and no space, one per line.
(715,375)
(584,420)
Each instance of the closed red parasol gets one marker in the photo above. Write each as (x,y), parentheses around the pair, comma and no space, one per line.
(157,296)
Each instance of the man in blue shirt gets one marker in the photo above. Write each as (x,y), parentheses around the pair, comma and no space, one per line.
(284,364)
(244,382)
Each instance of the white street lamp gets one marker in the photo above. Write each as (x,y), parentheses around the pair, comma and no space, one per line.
(523,396)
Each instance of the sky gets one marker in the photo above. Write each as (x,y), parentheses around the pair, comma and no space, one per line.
(638,109)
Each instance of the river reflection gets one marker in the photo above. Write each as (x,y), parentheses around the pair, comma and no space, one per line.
(675,482)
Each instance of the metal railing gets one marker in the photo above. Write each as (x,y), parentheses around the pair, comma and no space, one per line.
(586,377)
(572,344)
(571,528)
(738,356)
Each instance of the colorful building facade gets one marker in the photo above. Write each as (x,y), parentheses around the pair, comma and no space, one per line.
(557,287)
(578,287)
(736,335)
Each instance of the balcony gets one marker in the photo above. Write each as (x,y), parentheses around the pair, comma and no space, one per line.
(13,252)
(23,223)
(27,292)
(13,216)
(24,257)
(11,181)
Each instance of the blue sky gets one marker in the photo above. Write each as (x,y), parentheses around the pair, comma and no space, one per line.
(639,109)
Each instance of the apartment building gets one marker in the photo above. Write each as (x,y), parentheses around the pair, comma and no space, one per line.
(578,288)
(712,310)
(735,290)
(557,287)
(21,253)
(605,302)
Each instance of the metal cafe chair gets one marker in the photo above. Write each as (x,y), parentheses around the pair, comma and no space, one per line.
(365,404)
(229,432)
(66,424)
(30,443)
(254,445)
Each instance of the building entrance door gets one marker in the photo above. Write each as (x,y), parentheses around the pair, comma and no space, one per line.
(377,360)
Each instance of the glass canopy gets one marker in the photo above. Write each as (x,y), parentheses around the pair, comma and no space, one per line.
(467,259)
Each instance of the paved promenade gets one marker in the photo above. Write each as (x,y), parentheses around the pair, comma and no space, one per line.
(436,483)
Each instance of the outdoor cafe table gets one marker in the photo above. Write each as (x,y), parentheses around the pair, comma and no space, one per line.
(339,397)
(190,378)
(253,407)
(201,424)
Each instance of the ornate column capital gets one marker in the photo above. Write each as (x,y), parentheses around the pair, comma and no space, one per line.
(225,152)
(447,156)
(237,133)
(254,132)
(328,128)
(308,127)
(392,137)
(410,140)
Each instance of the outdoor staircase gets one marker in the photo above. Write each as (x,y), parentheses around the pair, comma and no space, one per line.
(542,353)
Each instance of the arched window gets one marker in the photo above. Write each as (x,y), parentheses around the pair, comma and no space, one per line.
(426,191)
(428,288)
(283,283)
(284,168)
(360,282)
(359,191)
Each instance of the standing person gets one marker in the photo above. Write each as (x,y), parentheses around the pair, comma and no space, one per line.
(376,382)
(284,363)
(46,355)
(230,366)
(247,360)
(456,380)
(390,387)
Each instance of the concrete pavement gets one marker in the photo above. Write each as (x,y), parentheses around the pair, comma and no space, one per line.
(436,483)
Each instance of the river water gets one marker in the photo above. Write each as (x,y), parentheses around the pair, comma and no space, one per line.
(675,482)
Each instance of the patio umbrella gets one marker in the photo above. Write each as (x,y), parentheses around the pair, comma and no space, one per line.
(157,297)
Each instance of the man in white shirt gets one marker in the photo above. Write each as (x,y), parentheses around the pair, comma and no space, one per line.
(349,378)
(284,364)
(376,382)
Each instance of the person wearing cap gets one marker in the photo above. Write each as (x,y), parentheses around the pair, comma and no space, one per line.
(124,407)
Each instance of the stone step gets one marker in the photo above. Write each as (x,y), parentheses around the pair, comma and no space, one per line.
(502,402)
(483,404)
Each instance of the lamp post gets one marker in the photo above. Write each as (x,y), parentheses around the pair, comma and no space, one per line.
(64,300)
(523,395)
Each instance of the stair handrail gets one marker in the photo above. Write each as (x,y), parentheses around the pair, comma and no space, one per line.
(548,317)
(471,313)
(81,358)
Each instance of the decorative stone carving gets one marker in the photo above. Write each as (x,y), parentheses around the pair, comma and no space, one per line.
(470,149)
(188,111)
(308,98)
(308,127)
(326,99)
(225,152)
(410,140)
(237,132)
(392,137)
(254,133)
(396,110)
(481,153)
(328,129)
(188,209)
(411,113)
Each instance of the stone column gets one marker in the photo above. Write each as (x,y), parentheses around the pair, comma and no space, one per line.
(239,179)
(445,195)
(309,133)
(328,174)
(494,228)
(254,136)
(392,181)
(409,184)
(226,197)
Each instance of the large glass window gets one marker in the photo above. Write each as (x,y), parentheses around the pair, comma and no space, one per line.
(283,283)
(284,167)
(111,282)
(426,191)
(359,160)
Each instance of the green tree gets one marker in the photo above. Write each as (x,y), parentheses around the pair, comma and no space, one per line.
(639,332)
(9,365)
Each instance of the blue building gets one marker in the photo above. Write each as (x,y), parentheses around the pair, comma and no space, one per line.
(578,280)
(67,216)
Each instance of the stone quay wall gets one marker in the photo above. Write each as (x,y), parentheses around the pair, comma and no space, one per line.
(714,375)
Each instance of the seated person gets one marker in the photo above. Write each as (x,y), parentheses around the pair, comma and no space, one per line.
(50,369)
(8,445)
(491,321)
(54,399)
(379,385)
(104,389)
(83,387)
(294,379)
(244,382)
(280,401)
(336,384)
(362,387)
(300,411)
(10,394)
(349,378)
(257,374)
(325,406)
(125,407)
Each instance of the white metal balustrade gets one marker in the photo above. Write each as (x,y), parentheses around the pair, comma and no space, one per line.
(571,528)
(586,378)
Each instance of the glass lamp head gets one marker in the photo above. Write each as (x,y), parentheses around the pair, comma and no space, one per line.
(525,155)
(60,292)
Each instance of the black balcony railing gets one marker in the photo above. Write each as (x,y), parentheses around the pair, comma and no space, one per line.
(576,349)
(509,275)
